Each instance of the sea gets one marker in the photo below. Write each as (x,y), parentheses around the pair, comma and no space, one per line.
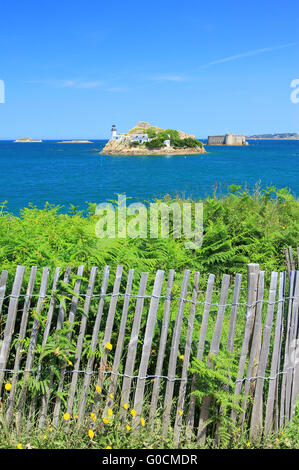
(76,174)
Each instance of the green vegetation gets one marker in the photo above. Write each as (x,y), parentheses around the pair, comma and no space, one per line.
(238,229)
(175,140)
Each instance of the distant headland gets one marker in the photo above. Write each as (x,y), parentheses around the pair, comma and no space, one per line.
(145,139)
(282,136)
(27,139)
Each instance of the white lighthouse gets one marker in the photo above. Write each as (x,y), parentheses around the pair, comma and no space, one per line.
(114,132)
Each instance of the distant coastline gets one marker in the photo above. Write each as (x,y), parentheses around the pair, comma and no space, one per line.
(278,136)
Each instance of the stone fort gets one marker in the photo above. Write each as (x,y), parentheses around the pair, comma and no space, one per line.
(227,139)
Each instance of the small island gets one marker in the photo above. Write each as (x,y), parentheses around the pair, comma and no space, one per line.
(145,139)
(27,139)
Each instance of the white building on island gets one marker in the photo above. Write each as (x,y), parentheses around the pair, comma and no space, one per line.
(141,138)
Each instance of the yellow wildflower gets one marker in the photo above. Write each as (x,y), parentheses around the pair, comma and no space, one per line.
(277,440)
(142,422)
(51,429)
(70,363)
(110,412)
(126,406)
(180,412)
(105,420)
(93,416)
(108,447)
(133,412)
(19,446)
(111,396)
(108,346)
(128,428)
(76,416)
(90,433)
(182,357)
(66,416)
(98,389)
(7,386)
(248,444)
(45,436)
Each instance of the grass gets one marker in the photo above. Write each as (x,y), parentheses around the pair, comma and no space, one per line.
(118,436)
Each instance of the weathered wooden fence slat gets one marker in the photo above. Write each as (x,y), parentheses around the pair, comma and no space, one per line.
(255,346)
(283,415)
(231,336)
(295,346)
(71,319)
(3,279)
(186,361)
(199,355)
(292,262)
(47,329)
(162,347)
(273,384)
(10,321)
(147,344)
(93,346)
(256,423)
(132,347)
(79,345)
(234,313)
(107,336)
(120,341)
(33,341)
(214,349)
(22,333)
(249,323)
(290,345)
(174,353)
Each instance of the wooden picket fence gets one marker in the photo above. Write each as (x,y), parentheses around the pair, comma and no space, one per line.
(290,259)
(135,342)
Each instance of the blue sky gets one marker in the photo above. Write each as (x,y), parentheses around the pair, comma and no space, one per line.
(72,68)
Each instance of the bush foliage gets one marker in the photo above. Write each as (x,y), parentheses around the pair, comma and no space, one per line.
(237,229)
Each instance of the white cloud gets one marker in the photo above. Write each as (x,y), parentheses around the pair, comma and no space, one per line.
(69,83)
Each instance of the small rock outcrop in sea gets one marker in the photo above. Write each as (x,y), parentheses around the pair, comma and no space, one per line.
(145,139)
(27,139)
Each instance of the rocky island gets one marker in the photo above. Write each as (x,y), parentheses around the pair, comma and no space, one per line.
(145,139)
(27,139)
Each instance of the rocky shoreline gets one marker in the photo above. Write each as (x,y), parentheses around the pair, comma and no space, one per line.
(162,151)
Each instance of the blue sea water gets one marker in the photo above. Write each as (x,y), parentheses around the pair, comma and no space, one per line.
(64,174)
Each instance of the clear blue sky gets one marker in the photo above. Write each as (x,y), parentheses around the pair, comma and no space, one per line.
(72,68)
